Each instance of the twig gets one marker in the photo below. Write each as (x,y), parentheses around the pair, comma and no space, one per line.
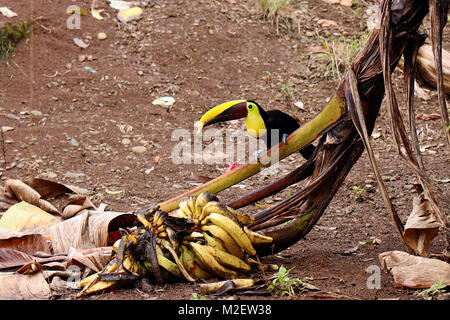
(3,146)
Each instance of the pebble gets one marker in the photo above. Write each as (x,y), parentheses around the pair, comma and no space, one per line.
(408,186)
(139,149)
(51,175)
(36,113)
(126,141)
(74,175)
(12,116)
(101,36)
(74,142)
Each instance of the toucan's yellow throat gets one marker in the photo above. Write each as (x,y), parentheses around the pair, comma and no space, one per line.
(233,110)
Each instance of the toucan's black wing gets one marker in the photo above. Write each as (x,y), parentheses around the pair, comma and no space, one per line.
(286,124)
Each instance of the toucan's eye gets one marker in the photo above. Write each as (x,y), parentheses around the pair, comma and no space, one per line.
(250,107)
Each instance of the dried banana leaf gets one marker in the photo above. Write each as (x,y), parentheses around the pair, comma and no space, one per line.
(88,230)
(24,287)
(414,272)
(27,218)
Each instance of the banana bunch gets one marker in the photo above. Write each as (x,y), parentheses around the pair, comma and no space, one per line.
(149,251)
(219,246)
(210,241)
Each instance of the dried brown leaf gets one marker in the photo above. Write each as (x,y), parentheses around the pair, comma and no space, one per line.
(24,287)
(22,191)
(414,272)
(421,227)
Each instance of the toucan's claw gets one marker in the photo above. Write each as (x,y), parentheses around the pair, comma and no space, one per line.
(258,153)
(283,138)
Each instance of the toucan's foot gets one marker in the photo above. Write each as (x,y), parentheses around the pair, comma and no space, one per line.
(258,153)
(283,138)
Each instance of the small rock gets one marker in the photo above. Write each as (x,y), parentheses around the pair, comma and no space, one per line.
(147,171)
(74,142)
(101,36)
(309,34)
(177,186)
(139,149)
(20,165)
(140,72)
(74,175)
(408,186)
(36,113)
(50,175)
(126,141)
(6,128)
(12,116)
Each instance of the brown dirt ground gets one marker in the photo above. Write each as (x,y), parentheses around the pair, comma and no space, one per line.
(202,53)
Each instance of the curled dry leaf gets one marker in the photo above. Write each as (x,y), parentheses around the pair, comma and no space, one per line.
(88,229)
(95,259)
(21,191)
(421,227)
(25,242)
(414,272)
(49,189)
(75,206)
(426,70)
(24,287)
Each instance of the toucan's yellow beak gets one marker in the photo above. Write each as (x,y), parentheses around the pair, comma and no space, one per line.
(230,110)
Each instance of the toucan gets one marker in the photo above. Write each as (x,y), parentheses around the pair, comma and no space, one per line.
(258,122)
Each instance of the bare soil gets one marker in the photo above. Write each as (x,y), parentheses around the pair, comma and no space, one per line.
(70,123)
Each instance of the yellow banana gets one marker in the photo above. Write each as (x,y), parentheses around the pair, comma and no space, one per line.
(191,205)
(142,219)
(116,246)
(257,237)
(202,199)
(212,287)
(233,229)
(228,260)
(173,239)
(184,207)
(230,245)
(188,260)
(271,267)
(158,219)
(216,207)
(180,214)
(242,217)
(213,242)
(193,236)
(91,283)
(211,263)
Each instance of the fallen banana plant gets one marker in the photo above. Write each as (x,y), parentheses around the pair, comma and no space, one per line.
(203,239)
(343,130)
